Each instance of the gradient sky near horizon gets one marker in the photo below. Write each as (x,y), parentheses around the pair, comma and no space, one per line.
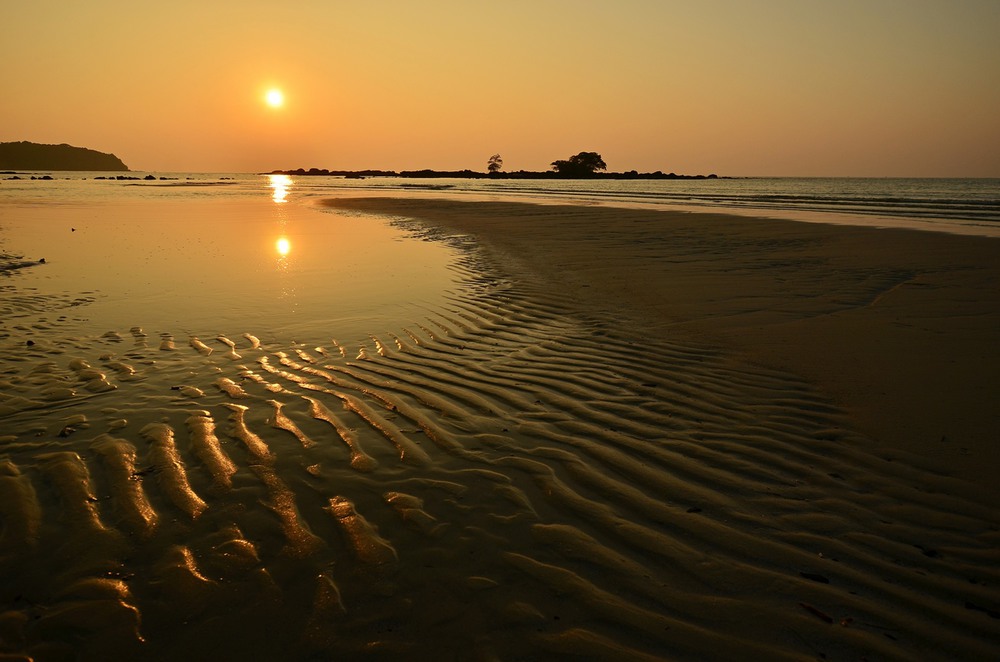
(733,87)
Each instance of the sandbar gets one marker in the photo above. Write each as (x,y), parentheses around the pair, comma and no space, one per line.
(899,327)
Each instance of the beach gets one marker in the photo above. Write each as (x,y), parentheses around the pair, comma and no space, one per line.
(898,327)
(613,433)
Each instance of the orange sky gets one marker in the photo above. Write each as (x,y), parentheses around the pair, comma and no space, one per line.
(734,87)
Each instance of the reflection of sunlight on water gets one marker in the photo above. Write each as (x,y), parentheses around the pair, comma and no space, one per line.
(281,184)
(283,247)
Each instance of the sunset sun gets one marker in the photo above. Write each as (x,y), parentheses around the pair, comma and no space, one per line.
(275,98)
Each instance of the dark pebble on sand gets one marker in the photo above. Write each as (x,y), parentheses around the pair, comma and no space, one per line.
(816,577)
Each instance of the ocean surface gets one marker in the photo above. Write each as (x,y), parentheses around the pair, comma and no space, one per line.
(199,254)
(969,206)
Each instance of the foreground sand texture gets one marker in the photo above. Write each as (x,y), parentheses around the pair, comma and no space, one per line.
(588,452)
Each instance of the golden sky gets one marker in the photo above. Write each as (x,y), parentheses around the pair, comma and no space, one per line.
(734,87)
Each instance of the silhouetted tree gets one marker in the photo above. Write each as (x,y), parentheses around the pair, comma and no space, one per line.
(584,164)
(495,164)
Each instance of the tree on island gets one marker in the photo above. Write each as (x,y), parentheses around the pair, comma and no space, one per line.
(584,164)
(495,164)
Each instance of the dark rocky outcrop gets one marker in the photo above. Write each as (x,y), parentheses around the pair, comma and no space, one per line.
(35,156)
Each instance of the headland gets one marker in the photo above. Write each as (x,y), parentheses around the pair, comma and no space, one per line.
(35,156)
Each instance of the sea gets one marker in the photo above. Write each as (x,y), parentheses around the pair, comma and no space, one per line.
(966,206)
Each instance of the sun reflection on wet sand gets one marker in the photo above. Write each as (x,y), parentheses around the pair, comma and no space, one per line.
(283,246)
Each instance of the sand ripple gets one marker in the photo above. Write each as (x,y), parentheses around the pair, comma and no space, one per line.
(504,479)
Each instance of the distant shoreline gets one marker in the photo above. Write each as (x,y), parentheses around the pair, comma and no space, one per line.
(472,174)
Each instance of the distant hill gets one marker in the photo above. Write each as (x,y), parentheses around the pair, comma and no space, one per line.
(34,156)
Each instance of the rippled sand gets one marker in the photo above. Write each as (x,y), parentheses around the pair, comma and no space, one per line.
(522,474)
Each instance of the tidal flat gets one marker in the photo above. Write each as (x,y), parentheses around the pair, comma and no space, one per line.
(432,429)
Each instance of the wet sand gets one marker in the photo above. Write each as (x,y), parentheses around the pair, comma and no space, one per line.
(900,328)
(602,444)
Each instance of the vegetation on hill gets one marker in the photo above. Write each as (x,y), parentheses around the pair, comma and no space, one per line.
(35,156)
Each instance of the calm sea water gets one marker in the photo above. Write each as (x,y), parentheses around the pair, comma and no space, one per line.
(206,255)
(969,206)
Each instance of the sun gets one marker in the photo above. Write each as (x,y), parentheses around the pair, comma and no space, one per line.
(275,98)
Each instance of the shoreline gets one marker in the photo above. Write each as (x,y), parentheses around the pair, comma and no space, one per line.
(898,327)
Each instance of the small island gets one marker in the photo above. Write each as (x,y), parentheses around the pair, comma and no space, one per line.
(36,156)
(585,165)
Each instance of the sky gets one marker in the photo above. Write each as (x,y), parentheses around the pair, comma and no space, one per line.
(878,88)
